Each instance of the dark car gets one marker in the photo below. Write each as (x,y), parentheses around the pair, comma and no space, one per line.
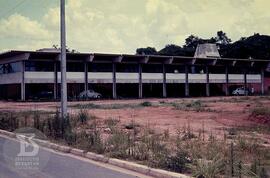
(43,95)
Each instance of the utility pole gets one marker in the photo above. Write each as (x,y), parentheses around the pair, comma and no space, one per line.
(63,62)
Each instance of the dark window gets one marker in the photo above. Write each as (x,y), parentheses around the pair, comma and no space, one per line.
(235,70)
(10,68)
(217,69)
(197,69)
(127,67)
(1,69)
(100,67)
(175,68)
(15,67)
(75,67)
(152,68)
(267,74)
(253,70)
(39,66)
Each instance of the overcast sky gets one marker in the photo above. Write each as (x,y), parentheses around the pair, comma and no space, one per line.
(121,26)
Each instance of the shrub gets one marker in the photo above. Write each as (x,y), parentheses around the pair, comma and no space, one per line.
(208,168)
(8,121)
(263,173)
(146,104)
(177,162)
(111,123)
(261,111)
(118,144)
(82,116)
(192,106)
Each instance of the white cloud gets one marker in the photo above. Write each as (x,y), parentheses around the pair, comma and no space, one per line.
(122,26)
(18,26)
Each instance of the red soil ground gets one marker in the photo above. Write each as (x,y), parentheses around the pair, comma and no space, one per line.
(221,112)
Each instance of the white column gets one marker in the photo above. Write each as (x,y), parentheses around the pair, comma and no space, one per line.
(186,82)
(207,82)
(140,80)
(164,82)
(245,82)
(262,81)
(23,81)
(86,78)
(227,81)
(114,80)
(55,85)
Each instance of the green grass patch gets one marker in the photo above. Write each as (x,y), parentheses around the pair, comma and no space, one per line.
(112,106)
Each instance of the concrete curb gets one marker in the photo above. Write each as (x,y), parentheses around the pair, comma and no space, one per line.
(101,158)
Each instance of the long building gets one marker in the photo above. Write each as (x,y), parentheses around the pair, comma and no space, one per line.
(24,74)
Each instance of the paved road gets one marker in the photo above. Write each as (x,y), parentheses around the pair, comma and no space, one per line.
(55,165)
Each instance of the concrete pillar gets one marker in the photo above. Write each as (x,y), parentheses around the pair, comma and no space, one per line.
(23,81)
(164,90)
(227,81)
(114,80)
(86,77)
(245,82)
(140,80)
(262,81)
(186,82)
(55,85)
(207,81)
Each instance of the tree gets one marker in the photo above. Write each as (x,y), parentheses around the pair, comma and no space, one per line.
(222,38)
(146,51)
(172,50)
(192,41)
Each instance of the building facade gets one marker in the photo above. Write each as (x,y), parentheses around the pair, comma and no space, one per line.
(24,74)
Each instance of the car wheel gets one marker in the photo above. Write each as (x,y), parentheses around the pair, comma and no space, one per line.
(98,97)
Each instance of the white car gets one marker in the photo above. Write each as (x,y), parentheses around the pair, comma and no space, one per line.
(91,94)
(240,91)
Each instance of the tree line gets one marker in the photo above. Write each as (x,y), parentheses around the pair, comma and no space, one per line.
(256,46)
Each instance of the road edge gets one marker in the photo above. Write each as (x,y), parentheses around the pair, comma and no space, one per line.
(159,173)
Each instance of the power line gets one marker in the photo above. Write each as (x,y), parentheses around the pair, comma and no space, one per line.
(13,8)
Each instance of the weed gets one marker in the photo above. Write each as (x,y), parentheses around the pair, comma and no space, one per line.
(112,106)
(111,123)
(232,131)
(118,144)
(82,116)
(208,168)
(146,104)
(196,105)
(261,111)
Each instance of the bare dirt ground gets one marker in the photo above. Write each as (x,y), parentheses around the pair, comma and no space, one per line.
(217,113)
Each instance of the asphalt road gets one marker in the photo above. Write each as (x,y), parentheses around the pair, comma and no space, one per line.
(55,165)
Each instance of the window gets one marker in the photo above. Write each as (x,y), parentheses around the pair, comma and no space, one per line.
(127,68)
(75,67)
(197,69)
(100,67)
(39,66)
(235,70)
(10,68)
(253,70)
(175,68)
(152,68)
(217,69)
(1,69)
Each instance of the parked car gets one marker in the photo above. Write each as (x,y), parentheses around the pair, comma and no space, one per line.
(91,94)
(43,95)
(240,91)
